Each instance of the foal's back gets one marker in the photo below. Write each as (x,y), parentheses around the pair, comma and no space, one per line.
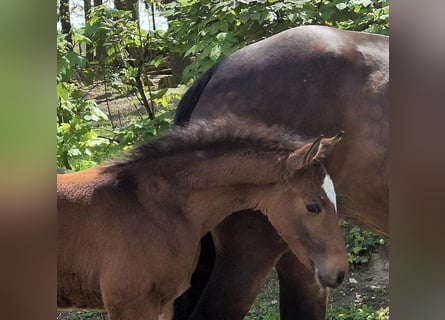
(79,185)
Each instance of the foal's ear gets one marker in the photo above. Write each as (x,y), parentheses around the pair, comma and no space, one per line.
(312,152)
(325,147)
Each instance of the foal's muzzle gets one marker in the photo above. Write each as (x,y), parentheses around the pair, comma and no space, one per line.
(331,280)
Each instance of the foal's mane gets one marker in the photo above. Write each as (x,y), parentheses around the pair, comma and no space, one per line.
(226,132)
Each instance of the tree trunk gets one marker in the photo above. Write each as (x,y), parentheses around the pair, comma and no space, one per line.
(139,55)
(65,161)
(152,7)
(177,60)
(65,20)
(100,50)
(178,63)
(87,9)
(128,5)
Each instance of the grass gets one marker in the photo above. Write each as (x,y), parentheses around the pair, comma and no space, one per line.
(266,309)
(82,315)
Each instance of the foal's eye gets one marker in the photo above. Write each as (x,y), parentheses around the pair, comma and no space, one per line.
(313,208)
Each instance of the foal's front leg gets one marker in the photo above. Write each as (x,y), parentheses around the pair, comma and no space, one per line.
(139,308)
(126,298)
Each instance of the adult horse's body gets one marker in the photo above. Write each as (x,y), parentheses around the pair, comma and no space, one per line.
(129,232)
(314,80)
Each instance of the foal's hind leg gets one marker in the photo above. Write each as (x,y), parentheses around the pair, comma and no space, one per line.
(247,248)
(300,295)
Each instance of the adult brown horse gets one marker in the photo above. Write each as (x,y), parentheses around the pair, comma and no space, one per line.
(129,232)
(314,80)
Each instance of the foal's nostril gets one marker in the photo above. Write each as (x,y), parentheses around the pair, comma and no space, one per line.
(340,277)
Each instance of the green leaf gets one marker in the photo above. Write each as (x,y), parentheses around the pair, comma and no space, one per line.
(341,6)
(221,36)
(215,53)
(80,38)
(64,128)
(156,61)
(215,28)
(357,250)
(88,152)
(74,152)
(94,117)
(62,92)
(226,49)
(159,94)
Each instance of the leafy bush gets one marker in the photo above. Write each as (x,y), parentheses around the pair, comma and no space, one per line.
(142,129)
(360,244)
(123,51)
(75,115)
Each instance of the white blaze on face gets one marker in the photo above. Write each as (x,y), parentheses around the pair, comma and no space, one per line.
(328,187)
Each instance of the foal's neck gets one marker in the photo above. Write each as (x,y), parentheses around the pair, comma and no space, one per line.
(204,186)
(220,186)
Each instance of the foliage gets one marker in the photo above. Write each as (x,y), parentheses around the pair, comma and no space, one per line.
(360,244)
(206,30)
(125,44)
(126,51)
(357,312)
(75,115)
(142,129)
(209,30)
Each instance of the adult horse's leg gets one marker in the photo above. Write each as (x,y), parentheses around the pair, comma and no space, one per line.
(300,295)
(185,304)
(241,266)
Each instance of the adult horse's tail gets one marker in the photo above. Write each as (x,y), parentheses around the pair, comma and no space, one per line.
(191,97)
(185,304)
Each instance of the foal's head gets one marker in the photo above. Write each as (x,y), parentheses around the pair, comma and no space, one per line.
(303,210)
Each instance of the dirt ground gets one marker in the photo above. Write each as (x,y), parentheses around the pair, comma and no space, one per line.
(369,285)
